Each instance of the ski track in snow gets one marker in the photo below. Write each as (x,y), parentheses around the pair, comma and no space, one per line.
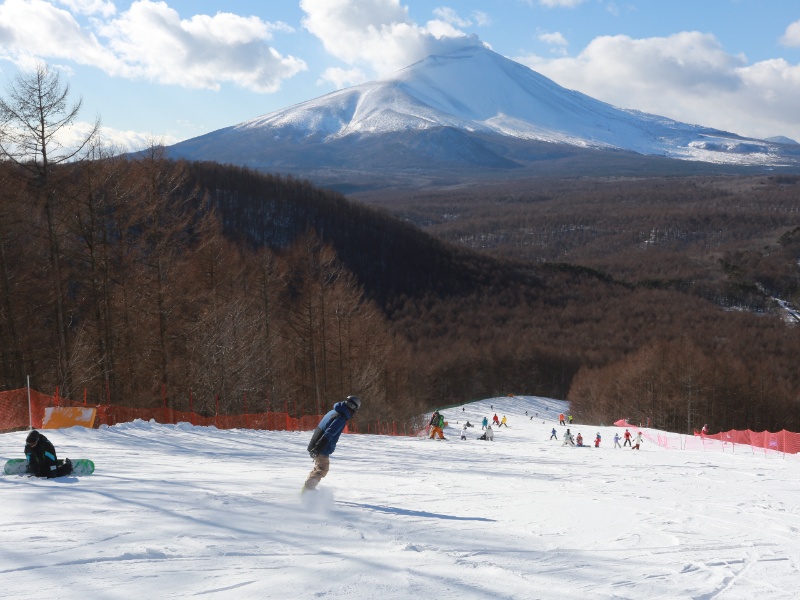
(175,511)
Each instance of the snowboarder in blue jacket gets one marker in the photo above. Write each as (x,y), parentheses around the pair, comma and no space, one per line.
(323,440)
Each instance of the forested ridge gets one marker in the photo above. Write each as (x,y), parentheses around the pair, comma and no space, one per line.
(230,284)
(660,292)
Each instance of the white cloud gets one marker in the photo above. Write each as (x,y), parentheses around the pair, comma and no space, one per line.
(792,35)
(687,76)
(378,33)
(31,29)
(448,15)
(149,41)
(153,42)
(560,3)
(90,7)
(341,78)
(481,18)
(116,139)
(554,39)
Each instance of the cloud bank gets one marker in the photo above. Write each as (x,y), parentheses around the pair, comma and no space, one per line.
(149,41)
(687,76)
(379,36)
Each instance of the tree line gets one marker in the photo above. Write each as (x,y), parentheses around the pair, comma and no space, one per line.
(117,279)
(640,271)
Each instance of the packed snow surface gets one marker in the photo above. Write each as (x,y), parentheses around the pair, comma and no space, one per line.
(176,511)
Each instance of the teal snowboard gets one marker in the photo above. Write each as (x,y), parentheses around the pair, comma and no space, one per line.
(18,466)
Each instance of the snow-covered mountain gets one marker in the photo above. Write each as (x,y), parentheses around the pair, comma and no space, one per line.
(472,107)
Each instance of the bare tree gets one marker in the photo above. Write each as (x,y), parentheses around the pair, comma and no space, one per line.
(35,117)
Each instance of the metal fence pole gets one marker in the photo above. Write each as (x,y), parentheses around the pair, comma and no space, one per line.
(30,412)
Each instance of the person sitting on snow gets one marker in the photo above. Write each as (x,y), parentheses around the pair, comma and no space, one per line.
(488,435)
(579,440)
(41,457)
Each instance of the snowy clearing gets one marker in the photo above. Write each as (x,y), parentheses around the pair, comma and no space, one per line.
(175,511)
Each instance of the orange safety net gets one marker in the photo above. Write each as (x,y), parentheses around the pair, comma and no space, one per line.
(14,413)
(781,441)
(14,416)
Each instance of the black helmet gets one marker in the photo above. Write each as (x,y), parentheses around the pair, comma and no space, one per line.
(33,438)
(353,403)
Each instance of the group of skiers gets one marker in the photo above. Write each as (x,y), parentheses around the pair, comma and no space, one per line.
(437,424)
(569,440)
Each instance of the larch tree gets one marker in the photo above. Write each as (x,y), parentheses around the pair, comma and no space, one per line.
(36,119)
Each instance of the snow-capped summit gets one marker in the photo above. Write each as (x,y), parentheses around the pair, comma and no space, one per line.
(464,107)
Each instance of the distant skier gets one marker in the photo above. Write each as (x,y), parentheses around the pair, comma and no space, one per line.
(323,440)
(627,436)
(464,432)
(41,457)
(437,423)
(503,422)
(616,441)
(553,435)
(570,419)
(638,441)
(579,440)
(488,435)
(495,420)
(485,422)
(568,439)
(561,419)
(597,441)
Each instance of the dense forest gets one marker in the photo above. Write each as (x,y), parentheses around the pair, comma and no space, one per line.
(140,280)
(671,310)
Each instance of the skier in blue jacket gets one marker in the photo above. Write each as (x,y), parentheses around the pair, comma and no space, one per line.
(323,441)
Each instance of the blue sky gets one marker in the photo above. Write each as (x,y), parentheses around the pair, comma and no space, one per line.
(172,70)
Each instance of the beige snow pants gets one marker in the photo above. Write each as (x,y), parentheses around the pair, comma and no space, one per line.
(322,465)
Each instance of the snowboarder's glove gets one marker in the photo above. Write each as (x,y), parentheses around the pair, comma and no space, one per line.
(313,453)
